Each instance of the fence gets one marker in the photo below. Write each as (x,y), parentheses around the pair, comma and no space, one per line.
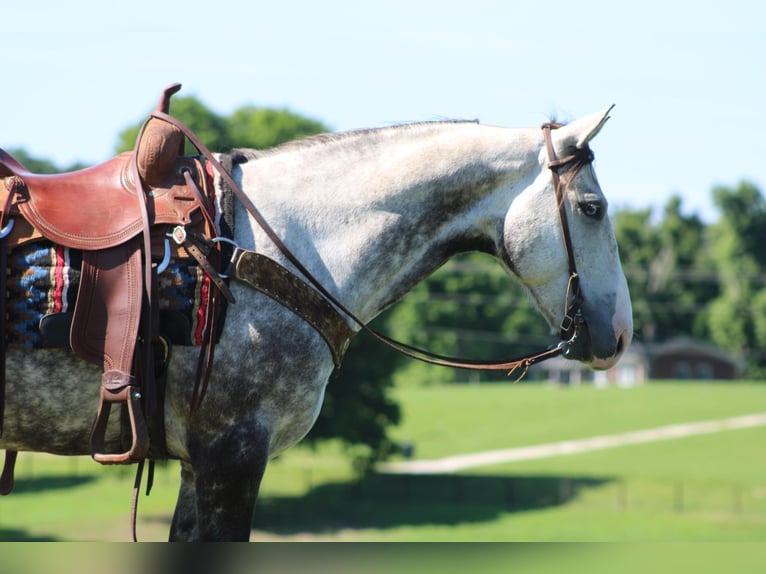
(518,493)
(508,493)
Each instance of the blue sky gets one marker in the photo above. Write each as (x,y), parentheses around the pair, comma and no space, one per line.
(688,79)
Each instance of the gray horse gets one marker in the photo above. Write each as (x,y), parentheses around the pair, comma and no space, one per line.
(370,213)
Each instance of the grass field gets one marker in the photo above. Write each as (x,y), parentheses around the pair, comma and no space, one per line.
(702,488)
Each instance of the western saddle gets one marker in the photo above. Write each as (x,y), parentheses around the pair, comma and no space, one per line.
(120,214)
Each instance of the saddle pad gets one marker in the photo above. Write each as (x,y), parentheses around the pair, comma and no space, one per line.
(43,279)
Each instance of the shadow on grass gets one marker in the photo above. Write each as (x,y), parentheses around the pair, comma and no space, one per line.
(381,501)
(17,535)
(32,485)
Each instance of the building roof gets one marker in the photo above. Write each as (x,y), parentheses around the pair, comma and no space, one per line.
(692,346)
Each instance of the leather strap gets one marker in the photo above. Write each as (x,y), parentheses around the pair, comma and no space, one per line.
(270,278)
(104,331)
(573,313)
(130,396)
(6,479)
(105,325)
(201,248)
(3,309)
(554,165)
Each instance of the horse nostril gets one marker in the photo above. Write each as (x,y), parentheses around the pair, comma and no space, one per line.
(622,342)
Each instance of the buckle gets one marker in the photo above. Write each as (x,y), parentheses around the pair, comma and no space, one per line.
(567,324)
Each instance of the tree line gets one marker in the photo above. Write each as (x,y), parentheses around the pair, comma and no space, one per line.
(686,277)
(707,280)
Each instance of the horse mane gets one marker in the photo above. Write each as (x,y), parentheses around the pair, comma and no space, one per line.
(243,155)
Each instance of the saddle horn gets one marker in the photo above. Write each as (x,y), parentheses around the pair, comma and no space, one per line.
(160,145)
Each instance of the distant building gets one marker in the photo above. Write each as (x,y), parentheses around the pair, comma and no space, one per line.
(678,358)
(688,358)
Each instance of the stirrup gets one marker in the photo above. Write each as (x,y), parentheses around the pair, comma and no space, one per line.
(131,396)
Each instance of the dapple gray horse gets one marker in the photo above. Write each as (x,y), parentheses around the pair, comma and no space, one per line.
(370,213)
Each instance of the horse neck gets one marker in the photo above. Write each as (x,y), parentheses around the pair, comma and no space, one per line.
(373,213)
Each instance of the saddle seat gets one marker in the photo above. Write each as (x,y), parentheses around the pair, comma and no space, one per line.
(99,207)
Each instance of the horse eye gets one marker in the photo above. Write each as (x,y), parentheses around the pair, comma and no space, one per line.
(591,209)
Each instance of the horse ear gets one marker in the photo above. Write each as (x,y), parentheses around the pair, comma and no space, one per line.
(578,133)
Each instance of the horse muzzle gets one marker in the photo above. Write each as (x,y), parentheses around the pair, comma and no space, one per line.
(601,355)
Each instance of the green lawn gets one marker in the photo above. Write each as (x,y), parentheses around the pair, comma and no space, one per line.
(441,421)
(707,487)
(702,488)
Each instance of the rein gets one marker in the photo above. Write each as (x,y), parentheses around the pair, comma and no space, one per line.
(571,325)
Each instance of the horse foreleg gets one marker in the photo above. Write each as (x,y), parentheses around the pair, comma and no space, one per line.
(227,473)
(184,525)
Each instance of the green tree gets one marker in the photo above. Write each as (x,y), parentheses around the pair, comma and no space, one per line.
(639,242)
(38,165)
(671,279)
(208,126)
(263,128)
(246,127)
(736,319)
(469,308)
(684,275)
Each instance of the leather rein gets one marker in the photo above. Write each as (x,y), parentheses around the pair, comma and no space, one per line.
(571,326)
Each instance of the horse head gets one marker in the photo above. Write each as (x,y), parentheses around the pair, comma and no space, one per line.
(554,235)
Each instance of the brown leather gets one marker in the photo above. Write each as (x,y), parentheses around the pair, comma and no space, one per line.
(105,322)
(157,152)
(106,213)
(21,233)
(573,324)
(129,395)
(107,210)
(270,278)
(104,331)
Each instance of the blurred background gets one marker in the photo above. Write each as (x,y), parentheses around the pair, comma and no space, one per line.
(681,162)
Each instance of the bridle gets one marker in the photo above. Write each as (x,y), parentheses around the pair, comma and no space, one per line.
(573,324)
(573,329)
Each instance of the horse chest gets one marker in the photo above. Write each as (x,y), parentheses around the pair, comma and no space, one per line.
(274,367)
